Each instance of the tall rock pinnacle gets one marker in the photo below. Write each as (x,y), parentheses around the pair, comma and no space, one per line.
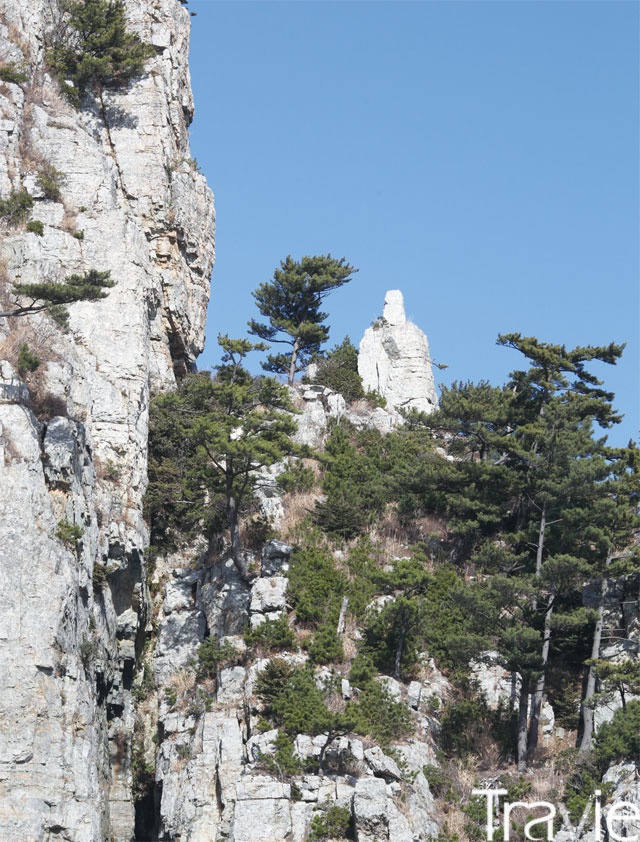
(394,359)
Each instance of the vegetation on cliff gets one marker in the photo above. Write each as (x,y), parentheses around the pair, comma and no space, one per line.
(510,500)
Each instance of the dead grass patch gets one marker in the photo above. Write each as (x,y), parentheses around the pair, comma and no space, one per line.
(297,506)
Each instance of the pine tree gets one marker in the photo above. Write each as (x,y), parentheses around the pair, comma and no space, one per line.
(291,304)
(53,298)
(94,48)
(527,498)
(232,425)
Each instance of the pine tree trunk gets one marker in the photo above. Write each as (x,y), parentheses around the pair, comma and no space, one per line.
(400,646)
(523,709)
(234,532)
(294,361)
(536,700)
(540,549)
(342,619)
(587,711)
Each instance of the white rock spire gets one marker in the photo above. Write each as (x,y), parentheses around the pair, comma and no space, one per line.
(394,359)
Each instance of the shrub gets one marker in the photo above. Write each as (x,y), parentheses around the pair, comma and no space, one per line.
(619,739)
(272,635)
(377,715)
(284,762)
(69,533)
(463,723)
(298,477)
(355,481)
(272,680)
(334,823)
(50,181)
(35,227)
(96,50)
(326,646)
(212,657)
(16,208)
(293,701)
(27,360)
(339,371)
(13,72)
(315,586)
(99,577)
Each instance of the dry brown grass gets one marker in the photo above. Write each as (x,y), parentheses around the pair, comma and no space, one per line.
(297,506)
(182,683)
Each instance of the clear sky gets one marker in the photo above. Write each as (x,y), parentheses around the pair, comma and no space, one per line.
(483,157)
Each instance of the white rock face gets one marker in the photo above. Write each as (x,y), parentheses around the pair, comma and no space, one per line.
(139,209)
(394,359)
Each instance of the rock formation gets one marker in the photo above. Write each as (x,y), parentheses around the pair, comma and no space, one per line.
(73,466)
(394,359)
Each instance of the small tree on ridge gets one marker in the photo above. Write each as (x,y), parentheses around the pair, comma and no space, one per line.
(291,304)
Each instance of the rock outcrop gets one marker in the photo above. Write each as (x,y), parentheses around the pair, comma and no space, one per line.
(73,603)
(394,359)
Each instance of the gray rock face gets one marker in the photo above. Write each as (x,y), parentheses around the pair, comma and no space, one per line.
(71,487)
(394,359)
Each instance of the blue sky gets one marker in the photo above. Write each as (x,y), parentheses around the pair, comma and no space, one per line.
(480,156)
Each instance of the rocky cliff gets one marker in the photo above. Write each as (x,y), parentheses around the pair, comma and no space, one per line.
(128,200)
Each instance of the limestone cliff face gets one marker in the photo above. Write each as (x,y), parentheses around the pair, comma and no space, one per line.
(73,452)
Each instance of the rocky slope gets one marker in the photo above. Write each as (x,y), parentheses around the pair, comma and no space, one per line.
(73,471)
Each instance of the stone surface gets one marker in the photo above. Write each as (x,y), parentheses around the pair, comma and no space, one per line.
(394,359)
(381,765)
(269,594)
(497,685)
(68,645)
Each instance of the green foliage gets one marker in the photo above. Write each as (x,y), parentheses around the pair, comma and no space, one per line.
(16,208)
(290,303)
(99,577)
(316,587)
(427,613)
(13,72)
(212,657)
(363,669)
(271,681)
(333,823)
(619,739)
(27,360)
(272,636)
(326,646)
(207,441)
(583,778)
(439,781)
(618,677)
(377,715)
(284,762)
(95,50)
(53,298)
(292,700)
(35,227)
(463,725)
(298,477)
(50,181)
(69,533)
(339,371)
(354,482)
